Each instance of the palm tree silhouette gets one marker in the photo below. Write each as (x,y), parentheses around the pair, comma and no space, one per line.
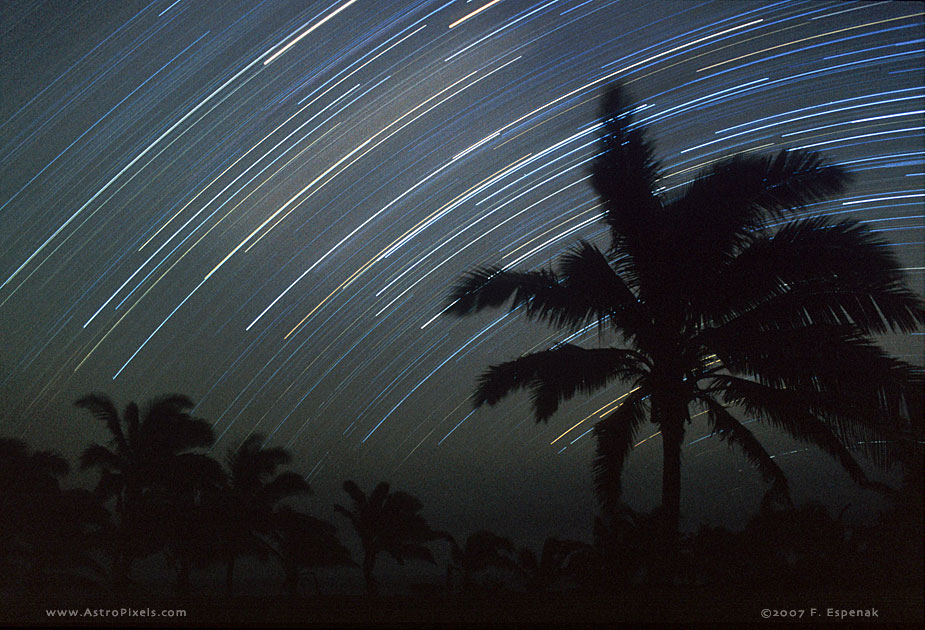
(144,451)
(252,497)
(302,542)
(619,552)
(483,550)
(543,572)
(47,533)
(716,307)
(189,506)
(388,522)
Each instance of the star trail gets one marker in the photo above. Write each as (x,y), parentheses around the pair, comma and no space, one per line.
(262,205)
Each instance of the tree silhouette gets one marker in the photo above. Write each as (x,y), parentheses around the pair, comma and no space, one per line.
(546,571)
(189,508)
(803,547)
(302,542)
(252,497)
(145,450)
(47,533)
(619,553)
(719,303)
(483,550)
(388,522)
(804,543)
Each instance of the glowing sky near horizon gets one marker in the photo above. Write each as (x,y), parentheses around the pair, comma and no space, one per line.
(263,204)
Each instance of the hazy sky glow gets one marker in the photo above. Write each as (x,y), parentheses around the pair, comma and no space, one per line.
(262,205)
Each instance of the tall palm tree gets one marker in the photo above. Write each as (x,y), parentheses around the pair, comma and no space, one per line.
(716,308)
(144,450)
(254,494)
(388,522)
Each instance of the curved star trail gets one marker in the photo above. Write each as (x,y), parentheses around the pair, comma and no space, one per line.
(262,205)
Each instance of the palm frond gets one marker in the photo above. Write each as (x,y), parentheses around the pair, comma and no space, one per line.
(587,290)
(814,271)
(167,428)
(556,552)
(616,435)
(557,375)
(587,272)
(188,433)
(411,552)
(353,490)
(264,461)
(625,173)
(284,485)
(379,495)
(251,461)
(725,208)
(308,541)
(735,433)
(169,405)
(102,407)
(348,513)
(492,287)
(98,456)
(832,360)
(789,411)
(13,449)
(399,502)
(741,193)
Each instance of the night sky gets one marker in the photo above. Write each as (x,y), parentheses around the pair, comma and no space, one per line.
(263,205)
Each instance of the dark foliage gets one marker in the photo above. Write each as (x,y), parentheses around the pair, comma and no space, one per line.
(48,534)
(250,505)
(388,522)
(140,469)
(721,305)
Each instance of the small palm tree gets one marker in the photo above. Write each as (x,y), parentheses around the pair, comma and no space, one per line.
(144,450)
(546,571)
(483,550)
(619,553)
(388,522)
(718,307)
(254,494)
(304,542)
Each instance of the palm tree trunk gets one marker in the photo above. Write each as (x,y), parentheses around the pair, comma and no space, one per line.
(121,563)
(672,436)
(369,560)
